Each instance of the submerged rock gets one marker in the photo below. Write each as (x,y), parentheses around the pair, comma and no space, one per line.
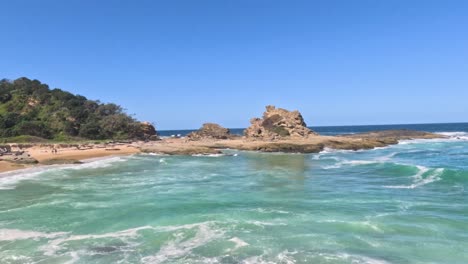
(278,123)
(210,131)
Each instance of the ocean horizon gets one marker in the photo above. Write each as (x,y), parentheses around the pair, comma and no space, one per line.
(351,129)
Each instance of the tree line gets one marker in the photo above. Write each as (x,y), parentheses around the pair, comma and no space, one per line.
(29,107)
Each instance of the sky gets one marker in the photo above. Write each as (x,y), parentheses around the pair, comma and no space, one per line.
(183,63)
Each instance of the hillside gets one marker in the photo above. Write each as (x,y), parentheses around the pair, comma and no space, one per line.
(29,107)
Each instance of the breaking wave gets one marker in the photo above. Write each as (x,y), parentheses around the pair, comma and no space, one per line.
(8,180)
(423,177)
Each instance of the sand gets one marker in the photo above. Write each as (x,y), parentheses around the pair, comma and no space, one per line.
(73,153)
(44,155)
(9,166)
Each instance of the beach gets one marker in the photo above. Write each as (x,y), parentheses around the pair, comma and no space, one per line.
(44,154)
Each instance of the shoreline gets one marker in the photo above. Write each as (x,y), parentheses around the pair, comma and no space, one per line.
(76,153)
(45,157)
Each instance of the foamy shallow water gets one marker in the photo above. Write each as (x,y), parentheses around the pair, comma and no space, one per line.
(400,204)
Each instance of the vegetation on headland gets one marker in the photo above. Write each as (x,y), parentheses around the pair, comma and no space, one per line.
(30,111)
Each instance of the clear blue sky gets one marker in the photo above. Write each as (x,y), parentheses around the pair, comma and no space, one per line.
(182,63)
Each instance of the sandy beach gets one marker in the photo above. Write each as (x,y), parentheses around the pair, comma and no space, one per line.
(44,154)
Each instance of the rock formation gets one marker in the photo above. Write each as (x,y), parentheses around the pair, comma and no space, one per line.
(278,123)
(210,131)
(19,157)
(149,132)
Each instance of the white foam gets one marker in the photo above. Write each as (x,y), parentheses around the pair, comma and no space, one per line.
(351,258)
(16,259)
(354,223)
(182,246)
(96,163)
(155,154)
(209,155)
(270,211)
(449,137)
(361,162)
(283,257)
(454,134)
(74,258)
(54,245)
(387,157)
(17,234)
(328,150)
(352,163)
(263,223)
(238,242)
(9,179)
(419,179)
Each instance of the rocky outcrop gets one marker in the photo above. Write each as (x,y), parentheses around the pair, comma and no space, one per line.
(278,123)
(148,131)
(210,131)
(19,157)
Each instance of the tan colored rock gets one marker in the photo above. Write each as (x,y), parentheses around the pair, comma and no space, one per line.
(210,131)
(278,123)
(149,132)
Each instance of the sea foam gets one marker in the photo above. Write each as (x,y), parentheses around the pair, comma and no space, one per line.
(419,179)
(17,234)
(181,245)
(8,180)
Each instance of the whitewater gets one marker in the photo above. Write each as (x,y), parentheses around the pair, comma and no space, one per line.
(405,203)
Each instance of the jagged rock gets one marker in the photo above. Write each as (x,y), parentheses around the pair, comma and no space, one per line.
(278,123)
(210,131)
(149,132)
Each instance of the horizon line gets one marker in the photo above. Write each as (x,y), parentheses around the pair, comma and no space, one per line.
(462,122)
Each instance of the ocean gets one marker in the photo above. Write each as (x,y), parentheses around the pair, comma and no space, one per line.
(337,130)
(405,203)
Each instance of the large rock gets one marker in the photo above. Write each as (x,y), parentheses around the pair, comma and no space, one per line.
(210,131)
(149,132)
(278,123)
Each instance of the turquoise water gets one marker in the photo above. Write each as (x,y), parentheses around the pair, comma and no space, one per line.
(401,204)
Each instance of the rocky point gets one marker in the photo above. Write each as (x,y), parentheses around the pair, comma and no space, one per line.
(278,123)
